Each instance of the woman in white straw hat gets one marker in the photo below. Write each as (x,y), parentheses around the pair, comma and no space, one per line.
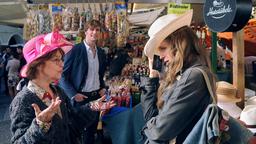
(173,106)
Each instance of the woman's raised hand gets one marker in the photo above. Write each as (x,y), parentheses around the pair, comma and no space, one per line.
(101,104)
(47,114)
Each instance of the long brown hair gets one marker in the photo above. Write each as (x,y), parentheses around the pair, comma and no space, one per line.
(185,48)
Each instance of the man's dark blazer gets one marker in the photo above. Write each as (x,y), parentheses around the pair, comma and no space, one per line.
(76,68)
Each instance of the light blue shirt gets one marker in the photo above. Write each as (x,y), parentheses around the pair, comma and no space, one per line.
(92,81)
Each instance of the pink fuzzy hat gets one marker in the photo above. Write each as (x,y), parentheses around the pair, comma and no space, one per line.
(41,45)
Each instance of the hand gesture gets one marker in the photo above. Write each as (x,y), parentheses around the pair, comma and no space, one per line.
(101,105)
(47,114)
(79,97)
(102,92)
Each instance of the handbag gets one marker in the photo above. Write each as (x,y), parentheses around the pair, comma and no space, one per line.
(216,126)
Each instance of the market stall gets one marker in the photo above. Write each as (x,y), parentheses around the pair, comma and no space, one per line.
(69,20)
(124,89)
(249,38)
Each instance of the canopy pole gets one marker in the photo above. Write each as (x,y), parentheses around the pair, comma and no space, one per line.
(238,64)
(214,52)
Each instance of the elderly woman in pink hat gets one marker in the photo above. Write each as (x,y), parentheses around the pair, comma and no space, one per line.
(41,113)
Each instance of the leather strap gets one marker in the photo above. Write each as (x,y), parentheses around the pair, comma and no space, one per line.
(207,80)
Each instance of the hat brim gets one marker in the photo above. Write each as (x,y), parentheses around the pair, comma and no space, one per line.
(224,98)
(155,40)
(231,108)
(251,101)
(253,130)
(151,45)
(24,69)
(66,47)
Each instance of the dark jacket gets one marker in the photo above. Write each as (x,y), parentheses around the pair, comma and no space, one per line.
(118,63)
(25,130)
(76,69)
(184,103)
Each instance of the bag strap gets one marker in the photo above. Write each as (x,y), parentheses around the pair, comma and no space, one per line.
(207,80)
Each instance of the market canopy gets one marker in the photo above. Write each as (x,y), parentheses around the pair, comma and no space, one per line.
(249,38)
(144,18)
(12,12)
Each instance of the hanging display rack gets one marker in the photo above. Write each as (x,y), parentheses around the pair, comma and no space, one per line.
(130,1)
(103,1)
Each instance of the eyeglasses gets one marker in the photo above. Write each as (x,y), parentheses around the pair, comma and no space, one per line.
(57,61)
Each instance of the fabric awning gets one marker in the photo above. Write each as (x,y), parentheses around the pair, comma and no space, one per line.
(249,38)
(144,18)
(12,13)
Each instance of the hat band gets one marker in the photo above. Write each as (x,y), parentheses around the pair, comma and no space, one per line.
(250,126)
(231,92)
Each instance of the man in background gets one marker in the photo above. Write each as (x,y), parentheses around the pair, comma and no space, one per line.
(84,68)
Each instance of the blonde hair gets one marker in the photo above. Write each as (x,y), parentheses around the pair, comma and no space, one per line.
(185,48)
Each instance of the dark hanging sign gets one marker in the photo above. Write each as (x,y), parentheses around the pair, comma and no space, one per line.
(227,15)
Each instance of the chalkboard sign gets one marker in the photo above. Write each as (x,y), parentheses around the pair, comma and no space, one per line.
(227,15)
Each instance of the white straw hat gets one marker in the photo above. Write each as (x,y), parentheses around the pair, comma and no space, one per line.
(163,27)
(232,109)
(251,101)
(248,116)
(226,92)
